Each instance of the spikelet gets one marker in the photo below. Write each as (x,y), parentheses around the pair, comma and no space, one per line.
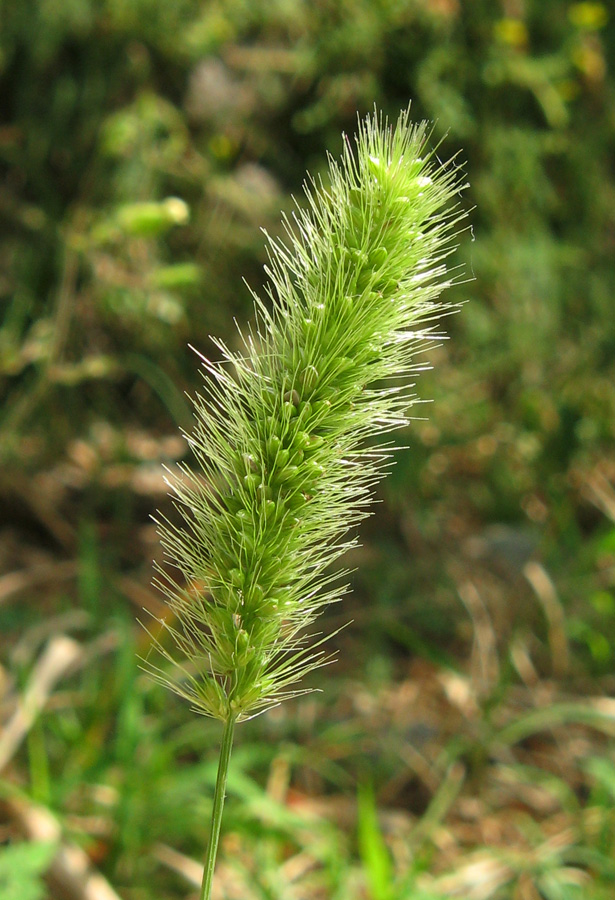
(284,470)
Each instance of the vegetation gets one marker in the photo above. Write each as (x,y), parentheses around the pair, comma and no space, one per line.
(284,471)
(464,744)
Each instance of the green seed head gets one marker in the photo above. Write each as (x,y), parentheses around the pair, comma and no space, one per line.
(284,470)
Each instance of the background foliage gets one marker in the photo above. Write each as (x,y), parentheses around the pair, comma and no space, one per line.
(463,745)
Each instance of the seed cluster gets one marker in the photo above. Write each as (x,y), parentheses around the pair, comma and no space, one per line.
(284,471)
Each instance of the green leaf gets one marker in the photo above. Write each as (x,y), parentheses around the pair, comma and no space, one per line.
(151,219)
(21,869)
(603,771)
(374,853)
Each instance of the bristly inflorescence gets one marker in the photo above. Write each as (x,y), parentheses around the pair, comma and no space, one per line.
(284,471)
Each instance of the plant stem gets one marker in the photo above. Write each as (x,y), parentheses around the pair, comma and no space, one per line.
(216,816)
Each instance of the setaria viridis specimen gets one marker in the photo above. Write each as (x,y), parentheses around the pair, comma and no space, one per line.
(283,440)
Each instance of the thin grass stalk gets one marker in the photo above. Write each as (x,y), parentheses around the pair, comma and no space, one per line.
(218,806)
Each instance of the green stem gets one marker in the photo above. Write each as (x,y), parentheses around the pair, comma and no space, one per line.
(216,816)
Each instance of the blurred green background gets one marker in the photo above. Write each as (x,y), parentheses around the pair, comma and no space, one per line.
(463,744)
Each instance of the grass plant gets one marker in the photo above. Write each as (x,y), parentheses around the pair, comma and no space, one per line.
(473,697)
(284,436)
